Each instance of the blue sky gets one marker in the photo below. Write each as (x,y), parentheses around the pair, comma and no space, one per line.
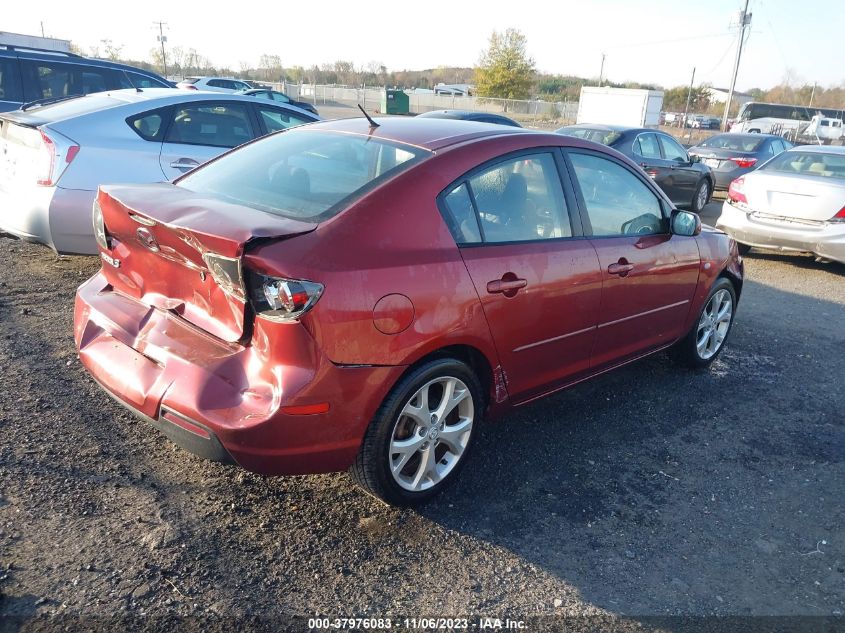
(655,41)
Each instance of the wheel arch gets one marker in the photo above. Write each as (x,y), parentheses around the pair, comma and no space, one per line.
(468,354)
(736,280)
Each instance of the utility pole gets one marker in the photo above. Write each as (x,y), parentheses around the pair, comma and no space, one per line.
(162,38)
(812,95)
(689,96)
(744,20)
(42,30)
(601,72)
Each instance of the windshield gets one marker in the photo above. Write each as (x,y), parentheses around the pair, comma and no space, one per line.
(732,142)
(808,164)
(605,137)
(305,176)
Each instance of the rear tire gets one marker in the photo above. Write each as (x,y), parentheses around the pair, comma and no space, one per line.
(420,437)
(706,339)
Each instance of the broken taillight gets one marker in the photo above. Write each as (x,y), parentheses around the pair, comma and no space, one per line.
(281,299)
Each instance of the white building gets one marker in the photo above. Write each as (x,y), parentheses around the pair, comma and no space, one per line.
(458,90)
(720,95)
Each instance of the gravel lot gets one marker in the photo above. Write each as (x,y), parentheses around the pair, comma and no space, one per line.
(649,491)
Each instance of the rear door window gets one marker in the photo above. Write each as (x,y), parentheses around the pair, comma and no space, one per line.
(51,79)
(47,80)
(518,200)
(211,124)
(646,146)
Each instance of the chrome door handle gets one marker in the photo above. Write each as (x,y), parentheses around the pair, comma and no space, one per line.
(621,268)
(506,286)
(184,163)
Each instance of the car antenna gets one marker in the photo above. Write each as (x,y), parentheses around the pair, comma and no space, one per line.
(373,124)
(129,79)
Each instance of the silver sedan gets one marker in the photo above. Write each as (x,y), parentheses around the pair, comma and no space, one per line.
(794,202)
(53,158)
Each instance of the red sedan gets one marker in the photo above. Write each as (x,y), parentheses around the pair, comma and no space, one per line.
(347,295)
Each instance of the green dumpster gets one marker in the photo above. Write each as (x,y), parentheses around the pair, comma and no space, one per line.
(395,102)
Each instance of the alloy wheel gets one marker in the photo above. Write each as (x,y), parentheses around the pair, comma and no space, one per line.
(714,324)
(701,196)
(431,433)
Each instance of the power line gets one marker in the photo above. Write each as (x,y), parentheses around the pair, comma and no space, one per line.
(670,41)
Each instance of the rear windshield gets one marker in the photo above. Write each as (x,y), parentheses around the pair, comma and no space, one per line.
(605,137)
(735,143)
(808,164)
(306,175)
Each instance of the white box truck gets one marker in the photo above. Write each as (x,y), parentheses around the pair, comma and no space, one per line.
(620,106)
(33,41)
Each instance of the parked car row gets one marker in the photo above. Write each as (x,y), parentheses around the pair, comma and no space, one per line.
(55,156)
(697,121)
(729,156)
(681,175)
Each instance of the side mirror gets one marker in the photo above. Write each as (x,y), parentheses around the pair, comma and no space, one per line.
(685,223)
(694,158)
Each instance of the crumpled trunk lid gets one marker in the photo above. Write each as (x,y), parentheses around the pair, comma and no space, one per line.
(181,251)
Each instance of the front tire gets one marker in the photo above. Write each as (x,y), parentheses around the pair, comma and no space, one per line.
(701,196)
(706,339)
(420,437)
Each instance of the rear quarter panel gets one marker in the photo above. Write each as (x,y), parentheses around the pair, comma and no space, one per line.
(110,152)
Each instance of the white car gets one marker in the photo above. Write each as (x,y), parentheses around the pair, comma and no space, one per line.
(213,84)
(794,202)
(53,158)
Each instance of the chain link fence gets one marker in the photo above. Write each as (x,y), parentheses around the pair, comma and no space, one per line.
(371,98)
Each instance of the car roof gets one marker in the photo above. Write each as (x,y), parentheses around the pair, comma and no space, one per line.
(153,97)
(457,114)
(429,133)
(469,115)
(818,149)
(23,52)
(608,128)
(746,135)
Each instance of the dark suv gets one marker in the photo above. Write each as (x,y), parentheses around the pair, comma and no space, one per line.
(28,74)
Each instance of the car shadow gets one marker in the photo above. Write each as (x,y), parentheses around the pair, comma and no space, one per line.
(800,260)
(659,490)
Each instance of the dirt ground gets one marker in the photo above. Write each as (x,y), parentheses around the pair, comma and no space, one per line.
(651,491)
